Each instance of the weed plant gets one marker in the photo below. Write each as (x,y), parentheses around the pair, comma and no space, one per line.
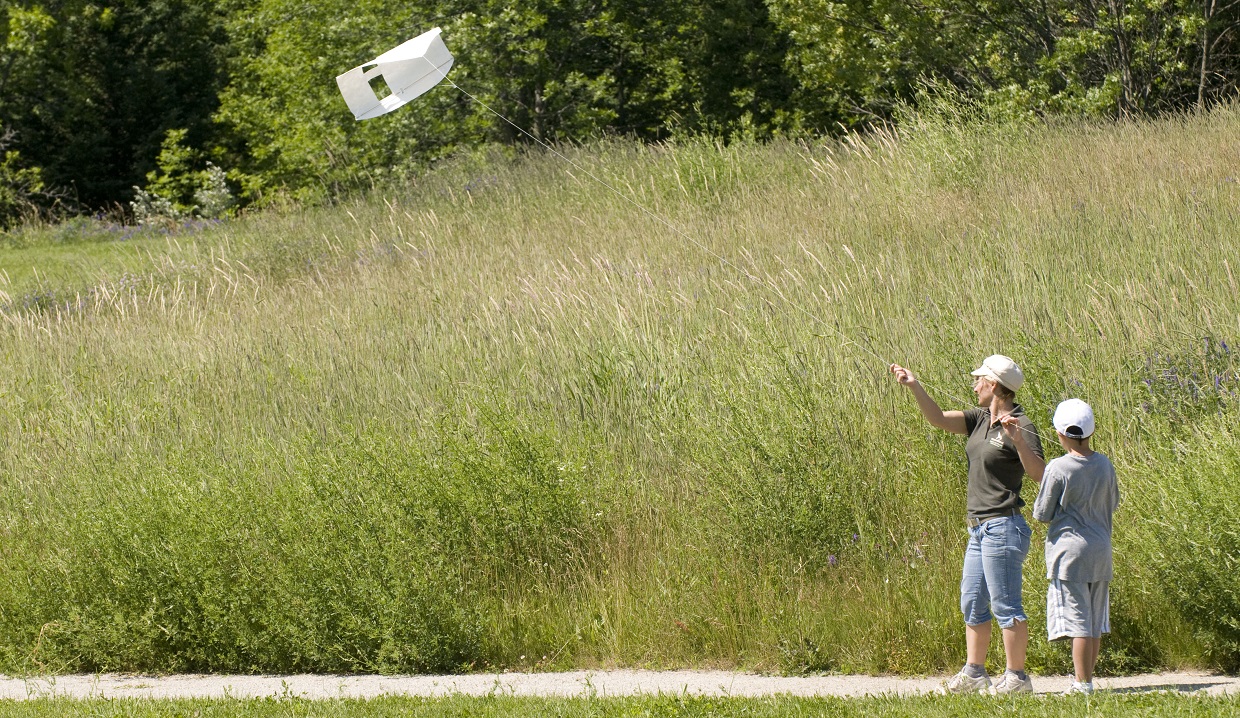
(500,416)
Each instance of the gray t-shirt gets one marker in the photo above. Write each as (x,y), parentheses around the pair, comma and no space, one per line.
(995,471)
(1079,495)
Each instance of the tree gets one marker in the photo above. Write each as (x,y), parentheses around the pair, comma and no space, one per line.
(559,71)
(22,192)
(1105,57)
(282,120)
(91,90)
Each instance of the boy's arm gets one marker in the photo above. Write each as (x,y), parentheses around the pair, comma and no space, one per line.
(1049,495)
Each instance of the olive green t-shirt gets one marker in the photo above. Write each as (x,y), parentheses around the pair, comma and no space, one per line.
(995,471)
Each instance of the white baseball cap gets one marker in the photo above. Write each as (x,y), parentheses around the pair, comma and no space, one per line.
(1074,419)
(997,367)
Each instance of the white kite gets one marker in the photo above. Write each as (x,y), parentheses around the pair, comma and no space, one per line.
(409,69)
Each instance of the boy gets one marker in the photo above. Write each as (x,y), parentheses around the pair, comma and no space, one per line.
(1078,497)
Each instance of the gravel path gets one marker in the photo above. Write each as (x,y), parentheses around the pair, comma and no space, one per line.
(577,683)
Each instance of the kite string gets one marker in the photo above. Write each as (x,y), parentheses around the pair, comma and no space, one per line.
(769,284)
(752,277)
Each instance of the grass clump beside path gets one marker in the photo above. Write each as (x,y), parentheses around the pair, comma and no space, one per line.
(500,418)
(1101,706)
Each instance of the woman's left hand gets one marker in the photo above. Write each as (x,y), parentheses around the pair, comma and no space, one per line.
(1033,464)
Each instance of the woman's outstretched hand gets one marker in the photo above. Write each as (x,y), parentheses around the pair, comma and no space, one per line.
(952,421)
(904,376)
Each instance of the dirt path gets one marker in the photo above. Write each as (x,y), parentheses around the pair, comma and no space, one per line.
(577,683)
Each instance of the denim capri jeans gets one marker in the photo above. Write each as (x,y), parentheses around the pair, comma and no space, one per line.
(991,584)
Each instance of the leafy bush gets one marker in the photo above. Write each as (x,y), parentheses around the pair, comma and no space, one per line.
(178,190)
(22,192)
(370,555)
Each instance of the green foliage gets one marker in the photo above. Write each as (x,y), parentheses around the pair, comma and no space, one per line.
(94,92)
(855,60)
(1195,541)
(20,188)
(352,560)
(91,90)
(563,72)
(178,189)
(1127,58)
(858,60)
(175,179)
(288,129)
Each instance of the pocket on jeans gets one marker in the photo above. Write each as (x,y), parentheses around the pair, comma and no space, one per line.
(1024,536)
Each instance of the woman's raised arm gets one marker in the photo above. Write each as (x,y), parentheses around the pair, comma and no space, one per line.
(952,421)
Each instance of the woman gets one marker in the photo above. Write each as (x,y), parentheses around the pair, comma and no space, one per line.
(998,534)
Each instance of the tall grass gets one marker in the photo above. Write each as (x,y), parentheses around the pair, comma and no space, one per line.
(503,417)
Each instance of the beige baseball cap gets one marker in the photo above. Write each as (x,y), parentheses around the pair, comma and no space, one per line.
(1001,369)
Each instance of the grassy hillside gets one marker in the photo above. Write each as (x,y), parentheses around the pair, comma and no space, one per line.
(504,417)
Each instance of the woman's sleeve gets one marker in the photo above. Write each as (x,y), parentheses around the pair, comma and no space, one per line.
(971,417)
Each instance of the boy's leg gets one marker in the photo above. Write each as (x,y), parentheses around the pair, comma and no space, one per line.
(1100,609)
(1083,658)
(1079,611)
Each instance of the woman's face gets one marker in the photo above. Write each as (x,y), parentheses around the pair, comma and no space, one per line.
(985,390)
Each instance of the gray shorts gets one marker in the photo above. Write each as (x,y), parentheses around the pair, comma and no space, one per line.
(1075,609)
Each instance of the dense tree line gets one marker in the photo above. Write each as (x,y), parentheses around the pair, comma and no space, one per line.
(98,98)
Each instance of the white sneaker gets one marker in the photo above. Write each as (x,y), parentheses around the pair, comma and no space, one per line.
(964,683)
(1009,682)
(1078,688)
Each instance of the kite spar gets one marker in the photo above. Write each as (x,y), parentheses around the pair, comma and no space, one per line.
(409,69)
